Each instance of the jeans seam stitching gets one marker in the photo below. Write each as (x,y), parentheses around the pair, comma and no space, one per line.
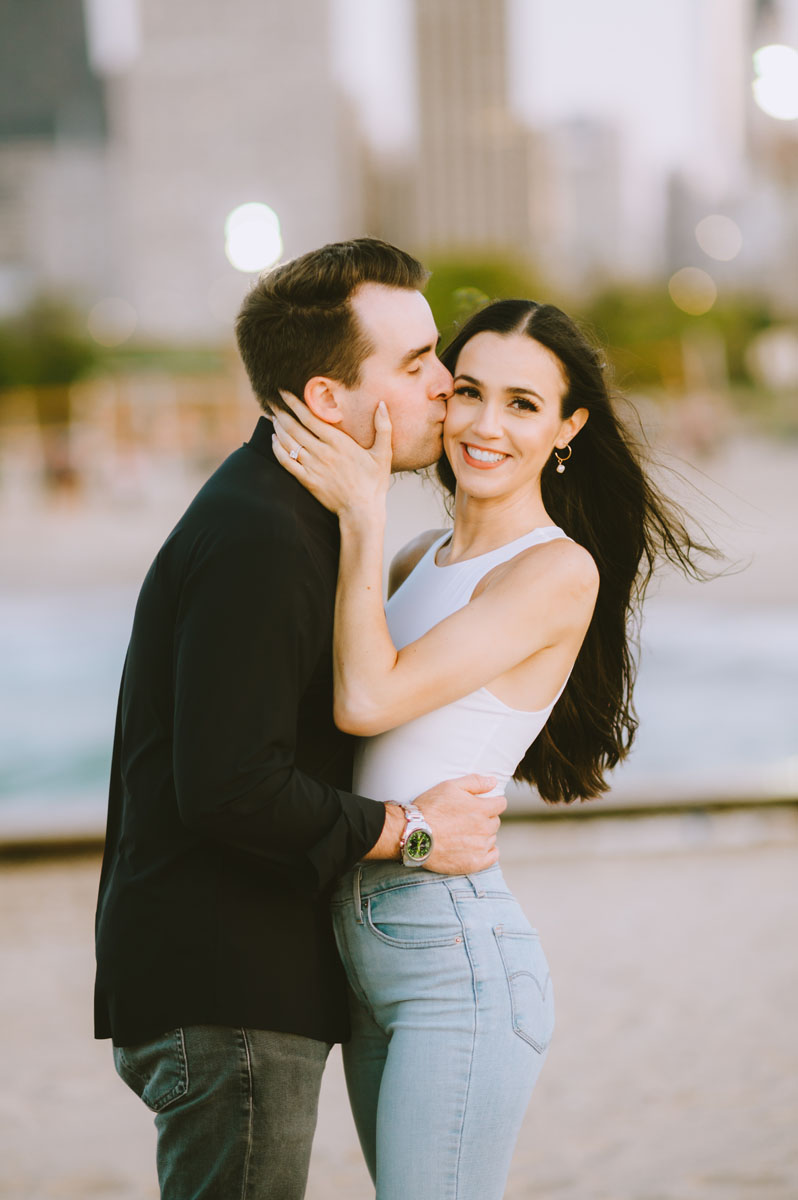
(348,958)
(181,1040)
(250,1114)
(471,1057)
(499,934)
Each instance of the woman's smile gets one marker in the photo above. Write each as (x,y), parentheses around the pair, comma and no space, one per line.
(482,459)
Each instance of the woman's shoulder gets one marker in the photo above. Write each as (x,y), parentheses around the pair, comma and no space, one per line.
(566,567)
(570,561)
(410,556)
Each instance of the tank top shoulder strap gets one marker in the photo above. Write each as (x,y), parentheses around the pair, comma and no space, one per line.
(462,577)
(482,563)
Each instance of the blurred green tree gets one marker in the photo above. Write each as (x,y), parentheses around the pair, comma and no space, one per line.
(43,348)
(644,332)
(44,345)
(460,286)
(642,329)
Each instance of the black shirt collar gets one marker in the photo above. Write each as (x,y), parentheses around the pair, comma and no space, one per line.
(261,443)
(261,440)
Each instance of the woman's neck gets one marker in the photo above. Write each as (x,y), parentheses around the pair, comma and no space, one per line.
(483,525)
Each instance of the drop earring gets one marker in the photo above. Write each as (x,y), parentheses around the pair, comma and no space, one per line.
(561,461)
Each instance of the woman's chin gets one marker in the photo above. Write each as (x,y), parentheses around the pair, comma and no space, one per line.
(480,486)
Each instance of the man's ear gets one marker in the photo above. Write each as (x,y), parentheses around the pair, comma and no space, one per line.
(321,397)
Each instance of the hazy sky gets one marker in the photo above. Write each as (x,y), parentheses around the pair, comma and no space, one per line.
(642,64)
(618,59)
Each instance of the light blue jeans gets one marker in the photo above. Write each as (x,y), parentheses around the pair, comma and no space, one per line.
(452,1015)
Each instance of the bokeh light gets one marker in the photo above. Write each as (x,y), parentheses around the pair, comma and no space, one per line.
(776,86)
(253,240)
(719,237)
(112,321)
(693,291)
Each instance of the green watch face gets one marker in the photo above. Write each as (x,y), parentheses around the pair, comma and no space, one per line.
(419,844)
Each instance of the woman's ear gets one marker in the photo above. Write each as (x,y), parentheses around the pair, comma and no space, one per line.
(321,397)
(571,426)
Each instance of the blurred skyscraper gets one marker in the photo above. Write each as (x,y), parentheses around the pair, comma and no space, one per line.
(116,175)
(469,183)
(745,163)
(471,178)
(220,106)
(52,152)
(578,228)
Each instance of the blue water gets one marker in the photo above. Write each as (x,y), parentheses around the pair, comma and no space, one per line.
(60,661)
(717,697)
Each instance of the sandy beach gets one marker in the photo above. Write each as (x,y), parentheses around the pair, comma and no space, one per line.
(674,1070)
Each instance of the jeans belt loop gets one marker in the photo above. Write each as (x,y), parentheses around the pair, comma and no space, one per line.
(356,900)
(478,891)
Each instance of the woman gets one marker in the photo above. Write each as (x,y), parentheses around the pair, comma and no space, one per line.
(503,650)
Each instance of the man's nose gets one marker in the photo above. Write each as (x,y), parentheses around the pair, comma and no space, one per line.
(442,383)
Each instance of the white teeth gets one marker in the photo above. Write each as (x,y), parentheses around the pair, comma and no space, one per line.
(484,455)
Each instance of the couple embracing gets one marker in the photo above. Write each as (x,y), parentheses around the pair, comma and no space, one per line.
(272,884)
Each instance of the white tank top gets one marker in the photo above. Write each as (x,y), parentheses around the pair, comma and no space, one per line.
(478,733)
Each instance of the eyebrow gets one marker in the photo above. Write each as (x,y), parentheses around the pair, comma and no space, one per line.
(514,391)
(411,354)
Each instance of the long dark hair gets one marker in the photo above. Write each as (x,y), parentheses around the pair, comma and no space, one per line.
(606,503)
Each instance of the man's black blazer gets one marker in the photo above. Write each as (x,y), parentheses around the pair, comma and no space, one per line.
(229,811)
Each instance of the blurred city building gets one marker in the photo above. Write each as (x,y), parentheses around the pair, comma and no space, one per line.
(572,195)
(128,137)
(745,166)
(579,233)
(216,108)
(471,176)
(130,130)
(52,155)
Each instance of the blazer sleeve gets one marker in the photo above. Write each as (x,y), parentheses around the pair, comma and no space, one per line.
(250,628)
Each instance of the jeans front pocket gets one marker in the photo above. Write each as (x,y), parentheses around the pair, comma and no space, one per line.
(156,1071)
(414,916)
(531,991)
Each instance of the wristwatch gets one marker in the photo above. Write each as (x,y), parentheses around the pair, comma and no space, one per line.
(415,844)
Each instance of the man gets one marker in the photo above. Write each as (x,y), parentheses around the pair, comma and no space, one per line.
(229,813)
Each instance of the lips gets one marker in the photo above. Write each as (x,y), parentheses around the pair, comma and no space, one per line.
(484,460)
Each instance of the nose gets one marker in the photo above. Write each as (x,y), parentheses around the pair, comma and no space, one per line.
(487,421)
(441,383)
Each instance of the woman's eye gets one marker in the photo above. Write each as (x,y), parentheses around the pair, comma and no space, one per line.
(465,390)
(524,405)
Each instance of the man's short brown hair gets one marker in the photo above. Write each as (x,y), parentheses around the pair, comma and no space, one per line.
(297,321)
